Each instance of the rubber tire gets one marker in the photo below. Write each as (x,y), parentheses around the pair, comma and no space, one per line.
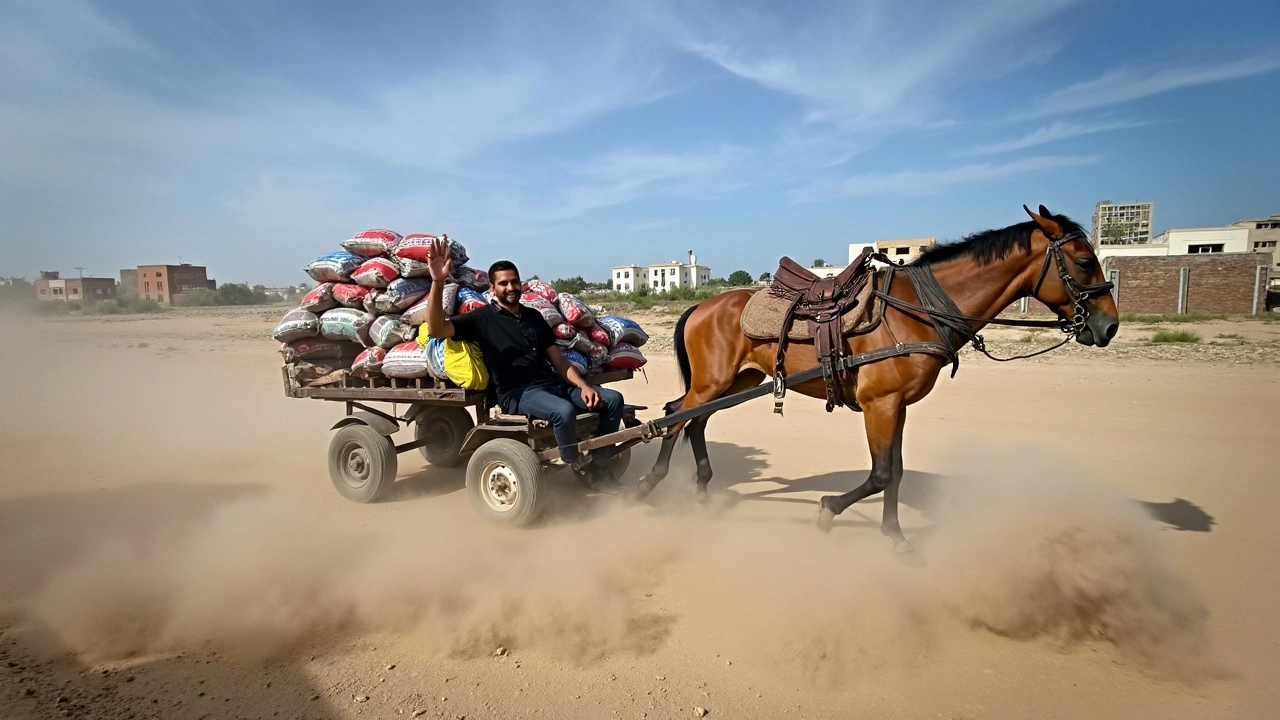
(619,463)
(521,462)
(379,457)
(451,422)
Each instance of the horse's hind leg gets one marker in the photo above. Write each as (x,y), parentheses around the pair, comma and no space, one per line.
(889,520)
(697,430)
(661,467)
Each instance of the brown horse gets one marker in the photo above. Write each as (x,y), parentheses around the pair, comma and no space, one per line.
(982,274)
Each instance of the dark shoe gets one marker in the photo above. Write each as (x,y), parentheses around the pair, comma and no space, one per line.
(580,465)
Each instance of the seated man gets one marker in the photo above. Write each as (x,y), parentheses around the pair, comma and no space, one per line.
(532,378)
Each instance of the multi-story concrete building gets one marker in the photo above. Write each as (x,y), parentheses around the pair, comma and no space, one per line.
(1264,236)
(903,250)
(627,277)
(1131,220)
(128,288)
(167,283)
(52,287)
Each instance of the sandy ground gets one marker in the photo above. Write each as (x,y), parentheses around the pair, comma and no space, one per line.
(1094,535)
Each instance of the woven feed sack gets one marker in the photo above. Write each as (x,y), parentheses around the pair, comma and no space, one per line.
(541,289)
(472,278)
(311,372)
(575,311)
(312,349)
(583,344)
(406,360)
(319,299)
(350,295)
(417,313)
(599,335)
(412,268)
(387,331)
(376,272)
(371,243)
(564,331)
(548,309)
(401,294)
(623,330)
(348,324)
(435,357)
(576,359)
(334,267)
(625,356)
(416,246)
(469,300)
(597,355)
(295,325)
(368,362)
(464,365)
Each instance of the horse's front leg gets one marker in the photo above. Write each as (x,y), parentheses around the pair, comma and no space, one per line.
(889,520)
(884,419)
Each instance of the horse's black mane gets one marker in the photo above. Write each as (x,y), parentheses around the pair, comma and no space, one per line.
(991,245)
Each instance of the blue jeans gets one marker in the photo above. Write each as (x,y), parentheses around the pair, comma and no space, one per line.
(560,404)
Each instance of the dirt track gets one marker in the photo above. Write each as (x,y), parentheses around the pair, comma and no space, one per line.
(1095,529)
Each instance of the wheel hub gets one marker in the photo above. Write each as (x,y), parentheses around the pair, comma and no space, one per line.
(357,466)
(500,487)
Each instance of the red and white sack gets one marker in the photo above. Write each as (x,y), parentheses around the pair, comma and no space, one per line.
(470,277)
(370,304)
(376,272)
(347,324)
(548,310)
(469,300)
(417,313)
(402,294)
(350,295)
(334,267)
(368,362)
(311,349)
(371,243)
(575,311)
(412,268)
(387,331)
(599,335)
(319,299)
(416,245)
(295,325)
(406,360)
(564,331)
(625,357)
(541,289)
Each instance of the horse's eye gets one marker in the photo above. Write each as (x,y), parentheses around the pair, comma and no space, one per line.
(1085,264)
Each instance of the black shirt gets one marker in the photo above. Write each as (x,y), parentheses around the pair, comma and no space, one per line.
(514,348)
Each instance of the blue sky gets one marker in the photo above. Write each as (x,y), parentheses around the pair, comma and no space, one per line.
(574,136)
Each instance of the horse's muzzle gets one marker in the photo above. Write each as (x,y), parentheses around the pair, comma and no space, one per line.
(1098,330)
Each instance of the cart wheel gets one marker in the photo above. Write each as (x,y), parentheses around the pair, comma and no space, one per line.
(445,428)
(619,463)
(362,463)
(502,480)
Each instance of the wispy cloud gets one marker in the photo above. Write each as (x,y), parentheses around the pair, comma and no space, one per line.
(915,182)
(1125,84)
(1053,132)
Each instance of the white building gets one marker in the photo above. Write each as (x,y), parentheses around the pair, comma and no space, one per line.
(662,276)
(902,250)
(1133,218)
(1184,241)
(626,277)
(1264,236)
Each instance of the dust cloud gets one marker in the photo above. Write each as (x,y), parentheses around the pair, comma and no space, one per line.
(1030,551)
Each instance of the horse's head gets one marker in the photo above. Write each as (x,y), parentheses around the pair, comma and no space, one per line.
(1070,280)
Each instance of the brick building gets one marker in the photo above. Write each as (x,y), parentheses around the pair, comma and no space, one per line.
(52,287)
(1218,283)
(128,289)
(167,283)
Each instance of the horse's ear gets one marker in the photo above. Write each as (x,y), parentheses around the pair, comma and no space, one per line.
(1045,222)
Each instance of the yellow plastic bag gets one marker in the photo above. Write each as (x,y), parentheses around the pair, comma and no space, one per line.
(464,365)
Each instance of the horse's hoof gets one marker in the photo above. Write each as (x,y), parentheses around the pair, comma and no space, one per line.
(901,547)
(638,492)
(825,518)
(701,496)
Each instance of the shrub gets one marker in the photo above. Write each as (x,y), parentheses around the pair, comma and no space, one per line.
(1170,318)
(1175,336)
(106,307)
(144,306)
(56,307)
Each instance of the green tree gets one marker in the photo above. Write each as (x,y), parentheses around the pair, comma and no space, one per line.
(738,278)
(573,285)
(819,263)
(765,277)
(1113,233)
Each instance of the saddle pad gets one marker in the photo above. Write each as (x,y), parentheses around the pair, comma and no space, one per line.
(762,317)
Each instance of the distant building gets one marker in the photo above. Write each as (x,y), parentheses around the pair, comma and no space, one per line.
(168,283)
(662,276)
(52,287)
(1133,219)
(128,288)
(1264,236)
(625,277)
(903,250)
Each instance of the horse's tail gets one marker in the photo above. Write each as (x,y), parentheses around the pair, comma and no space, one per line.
(682,360)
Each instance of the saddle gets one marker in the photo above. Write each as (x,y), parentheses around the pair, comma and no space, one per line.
(823,303)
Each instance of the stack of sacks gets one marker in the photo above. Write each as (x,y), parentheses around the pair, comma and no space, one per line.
(587,342)
(371,299)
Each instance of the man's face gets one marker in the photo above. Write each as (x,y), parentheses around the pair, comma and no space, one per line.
(507,286)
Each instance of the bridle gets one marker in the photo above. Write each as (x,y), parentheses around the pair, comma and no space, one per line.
(939,310)
(1078,293)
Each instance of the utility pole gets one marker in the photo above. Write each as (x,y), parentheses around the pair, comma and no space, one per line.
(80,271)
